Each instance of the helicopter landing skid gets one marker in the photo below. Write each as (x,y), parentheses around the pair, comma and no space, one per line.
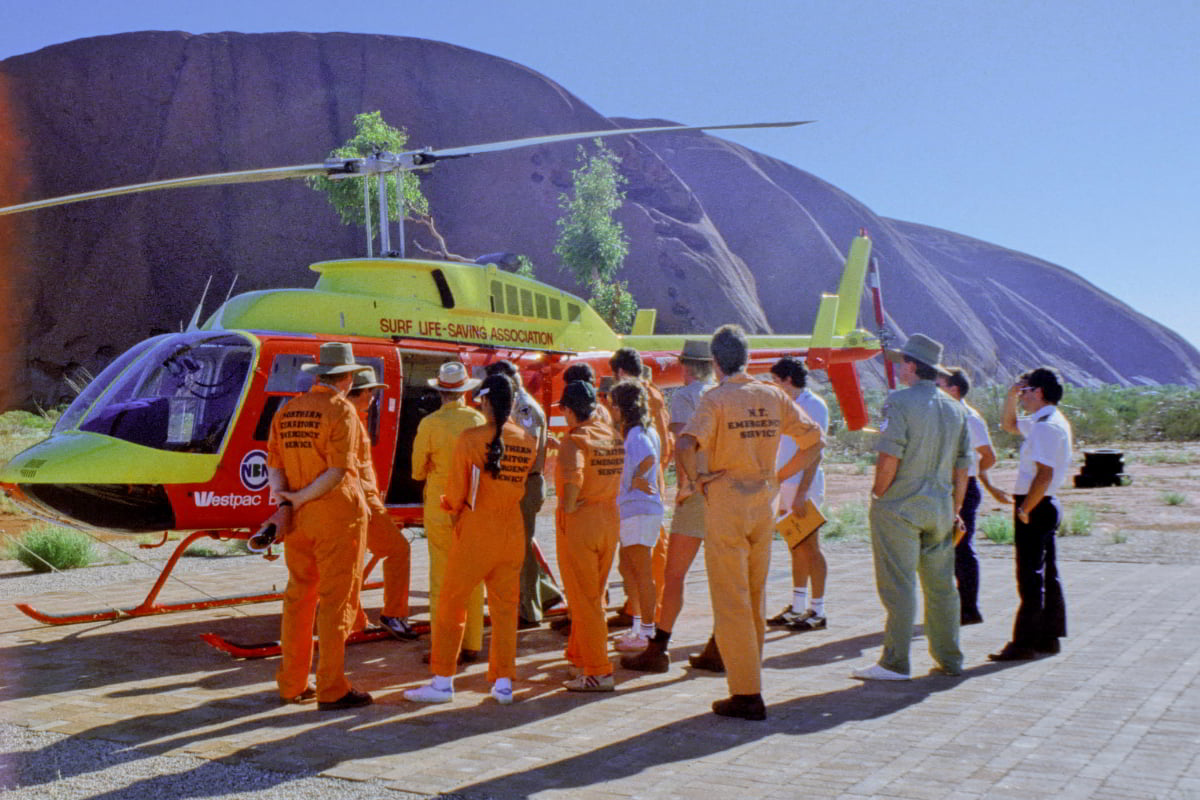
(372,633)
(149,607)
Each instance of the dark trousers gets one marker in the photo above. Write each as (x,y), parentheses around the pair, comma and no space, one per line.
(966,564)
(1042,614)
(537,588)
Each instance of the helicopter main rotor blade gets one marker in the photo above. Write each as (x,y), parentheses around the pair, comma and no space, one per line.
(512,144)
(244,176)
(358,167)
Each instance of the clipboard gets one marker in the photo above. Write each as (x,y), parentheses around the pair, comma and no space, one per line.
(795,530)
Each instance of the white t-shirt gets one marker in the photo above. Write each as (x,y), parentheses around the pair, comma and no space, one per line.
(1047,441)
(977,432)
(815,408)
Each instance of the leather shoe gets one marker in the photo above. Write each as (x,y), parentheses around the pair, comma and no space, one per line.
(710,659)
(652,659)
(307,696)
(970,618)
(1049,648)
(1013,652)
(351,699)
(741,706)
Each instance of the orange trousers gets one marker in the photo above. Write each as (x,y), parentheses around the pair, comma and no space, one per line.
(386,541)
(324,557)
(439,535)
(737,552)
(587,541)
(490,551)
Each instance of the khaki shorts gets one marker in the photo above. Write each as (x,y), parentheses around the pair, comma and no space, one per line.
(689,517)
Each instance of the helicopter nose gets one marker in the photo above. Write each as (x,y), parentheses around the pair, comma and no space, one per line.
(105,482)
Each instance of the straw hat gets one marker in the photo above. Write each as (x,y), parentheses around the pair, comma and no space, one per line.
(452,377)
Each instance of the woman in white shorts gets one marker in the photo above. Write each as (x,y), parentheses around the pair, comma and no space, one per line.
(641,508)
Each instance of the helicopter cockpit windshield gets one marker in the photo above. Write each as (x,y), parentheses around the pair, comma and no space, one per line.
(179,394)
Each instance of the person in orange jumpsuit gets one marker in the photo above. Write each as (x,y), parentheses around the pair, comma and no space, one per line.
(627,363)
(587,525)
(384,539)
(737,424)
(312,465)
(433,446)
(483,496)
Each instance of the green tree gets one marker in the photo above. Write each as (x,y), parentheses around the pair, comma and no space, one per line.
(591,244)
(372,135)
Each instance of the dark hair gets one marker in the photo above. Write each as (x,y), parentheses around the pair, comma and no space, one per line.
(581,371)
(629,397)
(924,371)
(957,378)
(627,360)
(580,398)
(1046,379)
(698,369)
(791,369)
(497,392)
(730,349)
(501,367)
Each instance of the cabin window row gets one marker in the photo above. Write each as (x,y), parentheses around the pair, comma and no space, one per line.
(509,299)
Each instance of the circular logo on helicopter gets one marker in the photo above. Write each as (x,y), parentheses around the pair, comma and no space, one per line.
(253,471)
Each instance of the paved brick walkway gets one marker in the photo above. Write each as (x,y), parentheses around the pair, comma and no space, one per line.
(1116,715)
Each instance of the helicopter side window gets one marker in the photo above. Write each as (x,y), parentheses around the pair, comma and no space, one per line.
(555,308)
(541,306)
(179,395)
(526,303)
(511,301)
(497,297)
(572,312)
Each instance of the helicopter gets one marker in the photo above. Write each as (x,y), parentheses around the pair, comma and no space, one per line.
(172,434)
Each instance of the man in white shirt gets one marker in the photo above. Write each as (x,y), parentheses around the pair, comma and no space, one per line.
(808,562)
(1044,463)
(966,564)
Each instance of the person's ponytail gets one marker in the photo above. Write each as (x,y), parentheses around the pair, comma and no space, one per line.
(497,392)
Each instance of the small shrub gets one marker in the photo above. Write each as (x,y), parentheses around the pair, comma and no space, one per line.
(48,547)
(1174,498)
(997,528)
(1079,521)
(848,521)
(1119,537)
(212,550)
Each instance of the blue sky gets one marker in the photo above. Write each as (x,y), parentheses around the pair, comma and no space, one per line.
(1067,130)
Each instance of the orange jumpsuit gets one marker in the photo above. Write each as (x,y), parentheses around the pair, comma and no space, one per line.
(590,457)
(432,448)
(737,424)
(384,538)
(314,432)
(489,546)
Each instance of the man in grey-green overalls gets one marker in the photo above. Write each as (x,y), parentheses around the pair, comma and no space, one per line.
(920,479)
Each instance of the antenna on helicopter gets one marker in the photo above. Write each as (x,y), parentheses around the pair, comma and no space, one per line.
(232,283)
(194,325)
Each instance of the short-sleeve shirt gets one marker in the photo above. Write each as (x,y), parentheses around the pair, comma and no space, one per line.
(640,443)
(591,457)
(434,445)
(683,405)
(927,430)
(818,412)
(1047,441)
(529,415)
(738,424)
(977,432)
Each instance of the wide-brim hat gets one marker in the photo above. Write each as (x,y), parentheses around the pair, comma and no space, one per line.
(366,380)
(696,350)
(920,347)
(453,377)
(335,358)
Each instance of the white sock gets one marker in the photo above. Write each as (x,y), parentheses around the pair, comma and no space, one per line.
(503,685)
(818,606)
(443,684)
(799,599)
(647,630)
(637,625)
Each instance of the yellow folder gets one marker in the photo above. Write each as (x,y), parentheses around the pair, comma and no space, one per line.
(795,529)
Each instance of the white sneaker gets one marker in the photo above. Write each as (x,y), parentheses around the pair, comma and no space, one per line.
(878,673)
(428,694)
(502,696)
(632,644)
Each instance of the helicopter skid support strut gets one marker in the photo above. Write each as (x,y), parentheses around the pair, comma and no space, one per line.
(149,606)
